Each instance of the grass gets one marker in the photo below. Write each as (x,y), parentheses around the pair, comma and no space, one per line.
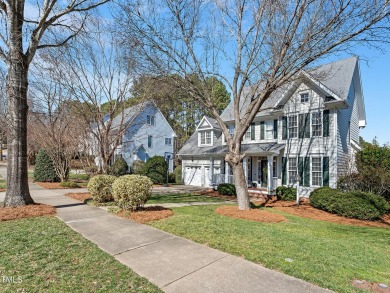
(3,183)
(181,198)
(78,176)
(327,254)
(43,254)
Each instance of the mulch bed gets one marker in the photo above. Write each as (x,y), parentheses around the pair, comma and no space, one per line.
(305,210)
(147,214)
(214,193)
(82,196)
(51,185)
(252,214)
(2,189)
(34,210)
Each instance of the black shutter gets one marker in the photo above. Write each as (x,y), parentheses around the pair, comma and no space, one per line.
(325,171)
(307,125)
(276,129)
(253,134)
(284,171)
(262,130)
(284,128)
(300,170)
(325,123)
(306,172)
(301,128)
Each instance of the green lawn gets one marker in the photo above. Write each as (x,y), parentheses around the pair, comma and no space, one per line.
(327,254)
(181,198)
(3,183)
(43,254)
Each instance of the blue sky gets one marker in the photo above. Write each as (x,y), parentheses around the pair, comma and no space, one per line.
(375,76)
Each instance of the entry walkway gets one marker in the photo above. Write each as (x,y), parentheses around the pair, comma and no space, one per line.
(172,263)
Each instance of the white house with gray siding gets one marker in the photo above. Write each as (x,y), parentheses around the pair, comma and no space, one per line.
(308,128)
(147,134)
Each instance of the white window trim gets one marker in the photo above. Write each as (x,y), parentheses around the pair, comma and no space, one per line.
(200,138)
(151,120)
(304,93)
(311,123)
(288,126)
(311,170)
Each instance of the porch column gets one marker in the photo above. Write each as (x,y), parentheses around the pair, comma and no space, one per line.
(211,163)
(227,172)
(245,166)
(270,173)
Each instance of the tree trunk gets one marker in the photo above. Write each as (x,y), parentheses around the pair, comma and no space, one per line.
(241,186)
(18,193)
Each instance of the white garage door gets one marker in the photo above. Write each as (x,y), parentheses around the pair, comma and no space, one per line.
(193,176)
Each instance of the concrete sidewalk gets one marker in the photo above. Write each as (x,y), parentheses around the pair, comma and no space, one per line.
(172,263)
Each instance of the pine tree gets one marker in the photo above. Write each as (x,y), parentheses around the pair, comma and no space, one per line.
(44,170)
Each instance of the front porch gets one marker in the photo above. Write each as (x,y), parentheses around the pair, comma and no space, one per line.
(261,173)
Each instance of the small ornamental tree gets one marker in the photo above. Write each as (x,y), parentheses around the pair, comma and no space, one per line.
(178,174)
(156,169)
(138,167)
(120,167)
(44,170)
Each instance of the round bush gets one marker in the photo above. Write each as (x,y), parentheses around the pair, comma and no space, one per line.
(138,167)
(120,167)
(178,175)
(132,191)
(226,189)
(357,204)
(100,187)
(156,169)
(44,170)
(286,193)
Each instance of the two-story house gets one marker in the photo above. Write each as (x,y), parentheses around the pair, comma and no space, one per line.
(147,134)
(307,131)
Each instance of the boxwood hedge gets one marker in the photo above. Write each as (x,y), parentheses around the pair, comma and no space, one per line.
(356,204)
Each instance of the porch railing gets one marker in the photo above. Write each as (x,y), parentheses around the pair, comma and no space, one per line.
(220,178)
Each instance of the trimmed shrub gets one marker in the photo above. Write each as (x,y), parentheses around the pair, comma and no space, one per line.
(356,204)
(69,184)
(171,178)
(286,193)
(156,169)
(178,174)
(132,191)
(119,167)
(100,187)
(226,189)
(44,170)
(138,167)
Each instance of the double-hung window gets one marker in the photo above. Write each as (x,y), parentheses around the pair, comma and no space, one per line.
(150,141)
(292,170)
(316,172)
(205,138)
(150,119)
(316,124)
(168,141)
(292,126)
(248,134)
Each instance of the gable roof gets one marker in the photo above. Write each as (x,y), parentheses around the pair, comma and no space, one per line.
(207,123)
(130,113)
(333,78)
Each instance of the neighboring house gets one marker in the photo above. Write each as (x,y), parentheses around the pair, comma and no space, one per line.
(308,128)
(147,134)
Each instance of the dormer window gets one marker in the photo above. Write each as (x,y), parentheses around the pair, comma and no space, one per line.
(304,97)
(150,119)
(205,138)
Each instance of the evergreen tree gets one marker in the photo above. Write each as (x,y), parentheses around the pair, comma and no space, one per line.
(44,170)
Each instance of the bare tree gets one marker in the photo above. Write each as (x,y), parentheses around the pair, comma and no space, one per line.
(254,46)
(23,27)
(52,125)
(99,79)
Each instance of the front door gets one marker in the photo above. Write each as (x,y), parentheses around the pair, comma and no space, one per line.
(262,172)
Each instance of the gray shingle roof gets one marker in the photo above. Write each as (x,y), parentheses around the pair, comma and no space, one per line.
(129,114)
(336,76)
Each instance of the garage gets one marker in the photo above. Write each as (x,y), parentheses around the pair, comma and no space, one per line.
(193,176)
